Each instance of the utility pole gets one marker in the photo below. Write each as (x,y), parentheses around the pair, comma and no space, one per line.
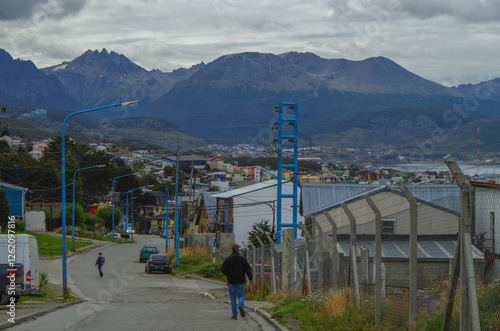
(179,211)
(191,193)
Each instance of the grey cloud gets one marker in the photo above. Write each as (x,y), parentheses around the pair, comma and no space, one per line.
(465,10)
(28,9)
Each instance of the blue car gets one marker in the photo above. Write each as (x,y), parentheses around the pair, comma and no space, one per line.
(146,251)
(158,262)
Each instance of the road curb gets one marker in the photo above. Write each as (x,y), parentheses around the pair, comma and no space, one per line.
(258,311)
(25,318)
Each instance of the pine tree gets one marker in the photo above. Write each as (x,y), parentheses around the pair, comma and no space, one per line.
(4,209)
(259,230)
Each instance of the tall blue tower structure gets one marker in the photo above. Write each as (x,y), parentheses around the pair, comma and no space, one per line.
(287,114)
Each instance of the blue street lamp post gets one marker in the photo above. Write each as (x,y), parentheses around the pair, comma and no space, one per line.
(63,184)
(73,205)
(132,206)
(176,208)
(113,205)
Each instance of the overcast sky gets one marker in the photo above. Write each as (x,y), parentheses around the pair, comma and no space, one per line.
(447,41)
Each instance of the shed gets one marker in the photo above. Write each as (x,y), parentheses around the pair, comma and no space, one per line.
(16,197)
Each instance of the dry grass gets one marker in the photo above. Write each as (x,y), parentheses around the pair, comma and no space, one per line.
(193,253)
(336,303)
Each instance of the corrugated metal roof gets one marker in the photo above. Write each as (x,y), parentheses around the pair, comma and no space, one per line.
(249,188)
(316,198)
(13,187)
(427,249)
(397,249)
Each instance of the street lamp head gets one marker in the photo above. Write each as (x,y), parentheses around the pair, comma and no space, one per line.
(130,103)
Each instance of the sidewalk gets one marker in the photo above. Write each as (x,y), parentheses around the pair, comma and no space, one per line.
(222,295)
(27,310)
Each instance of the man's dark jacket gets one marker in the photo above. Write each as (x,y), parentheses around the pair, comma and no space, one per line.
(235,267)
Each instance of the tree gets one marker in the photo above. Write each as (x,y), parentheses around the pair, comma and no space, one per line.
(92,185)
(80,215)
(4,147)
(259,230)
(104,213)
(4,209)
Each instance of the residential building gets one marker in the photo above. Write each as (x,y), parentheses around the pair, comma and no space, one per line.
(215,163)
(238,210)
(16,199)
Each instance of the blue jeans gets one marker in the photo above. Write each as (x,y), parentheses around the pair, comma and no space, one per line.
(236,290)
(100,271)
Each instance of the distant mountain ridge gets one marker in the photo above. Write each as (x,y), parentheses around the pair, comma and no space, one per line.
(23,80)
(98,78)
(306,71)
(230,99)
(328,92)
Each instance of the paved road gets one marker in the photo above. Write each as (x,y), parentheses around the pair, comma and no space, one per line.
(127,298)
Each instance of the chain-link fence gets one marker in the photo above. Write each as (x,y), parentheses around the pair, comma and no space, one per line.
(407,251)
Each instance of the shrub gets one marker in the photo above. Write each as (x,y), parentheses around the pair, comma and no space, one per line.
(44,280)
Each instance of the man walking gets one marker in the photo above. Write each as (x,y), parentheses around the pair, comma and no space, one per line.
(99,263)
(235,267)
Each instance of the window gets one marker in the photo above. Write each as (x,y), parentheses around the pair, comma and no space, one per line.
(388,226)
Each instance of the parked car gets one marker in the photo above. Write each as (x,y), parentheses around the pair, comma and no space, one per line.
(117,235)
(158,262)
(154,230)
(146,251)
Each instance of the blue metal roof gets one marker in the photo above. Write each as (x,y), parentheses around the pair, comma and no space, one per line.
(316,198)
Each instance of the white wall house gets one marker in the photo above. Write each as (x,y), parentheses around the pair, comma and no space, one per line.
(239,209)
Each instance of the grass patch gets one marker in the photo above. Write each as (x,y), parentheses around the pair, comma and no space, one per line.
(52,246)
(82,233)
(197,261)
(50,293)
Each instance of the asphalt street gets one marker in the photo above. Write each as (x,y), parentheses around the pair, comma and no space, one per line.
(127,298)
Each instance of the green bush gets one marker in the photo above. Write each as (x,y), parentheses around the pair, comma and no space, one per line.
(20,226)
(44,280)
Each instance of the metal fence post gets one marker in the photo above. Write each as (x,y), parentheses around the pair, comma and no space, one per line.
(320,246)
(469,309)
(413,254)
(247,250)
(262,261)
(353,266)
(273,273)
(254,259)
(334,255)
(378,259)
(306,263)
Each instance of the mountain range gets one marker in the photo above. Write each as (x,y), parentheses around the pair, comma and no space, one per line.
(342,103)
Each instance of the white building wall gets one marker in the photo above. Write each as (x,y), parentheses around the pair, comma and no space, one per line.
(247,211)
(35,220)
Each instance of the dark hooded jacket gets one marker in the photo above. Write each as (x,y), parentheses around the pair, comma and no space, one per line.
(235,267)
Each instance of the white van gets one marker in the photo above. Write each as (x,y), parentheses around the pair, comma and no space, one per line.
(26,254)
